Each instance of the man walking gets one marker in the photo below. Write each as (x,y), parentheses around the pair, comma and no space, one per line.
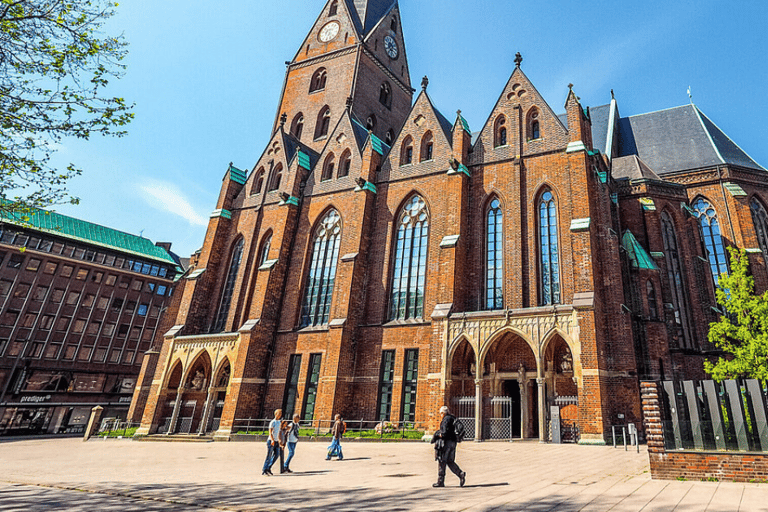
(338,431)
(273,443)
(293,438)
(445,449)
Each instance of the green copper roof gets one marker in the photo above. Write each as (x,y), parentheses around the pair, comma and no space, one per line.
(237,175)
(94,234)
(465,124)
(378,145)
(637,255)
(304,160)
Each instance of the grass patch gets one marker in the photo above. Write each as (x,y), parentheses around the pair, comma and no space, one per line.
(128,432)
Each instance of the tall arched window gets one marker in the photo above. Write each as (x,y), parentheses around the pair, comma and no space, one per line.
(297,126)
(334,8)
(427,145)
(548,248)
(258,182)
(385,95)
(406,154)
(494,266)
(323,122)
(393,24)
(676,282)
(318,80)
(410,265)
(265,247)
(653,309)
(345,163)
(229,287)
(710,234)
(760,219)
(328,166)
(500,131)
(534,132)
(277,177)
(322,271)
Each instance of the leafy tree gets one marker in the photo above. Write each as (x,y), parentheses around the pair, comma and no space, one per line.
(55,63)
(743,331)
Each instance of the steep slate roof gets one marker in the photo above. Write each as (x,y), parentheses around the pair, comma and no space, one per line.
(633,168)
(367,13)
(600,117)
(679,139)
(94,234)
(360,131)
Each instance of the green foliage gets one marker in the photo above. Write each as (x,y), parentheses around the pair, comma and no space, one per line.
(743,331)
(55,63)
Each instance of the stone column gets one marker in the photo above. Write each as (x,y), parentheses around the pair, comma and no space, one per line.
(523,407)
(209,403)
(176,409)
(542,410)
(478,410)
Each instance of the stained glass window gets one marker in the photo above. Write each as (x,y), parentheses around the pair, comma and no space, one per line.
(408,279)
(676,281)
(229,287)
(550,256)
(322,271)
(494,283)
(760,219)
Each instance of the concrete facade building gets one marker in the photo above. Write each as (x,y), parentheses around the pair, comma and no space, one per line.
(79,306)
(381,260)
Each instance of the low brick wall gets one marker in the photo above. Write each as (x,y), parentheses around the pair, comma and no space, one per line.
(723,467)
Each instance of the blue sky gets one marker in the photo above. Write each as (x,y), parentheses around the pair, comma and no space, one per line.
(206,79)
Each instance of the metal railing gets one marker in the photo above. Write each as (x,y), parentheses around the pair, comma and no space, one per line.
(115,427)
(356,428)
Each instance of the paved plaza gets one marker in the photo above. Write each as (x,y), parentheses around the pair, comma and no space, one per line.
(124,475)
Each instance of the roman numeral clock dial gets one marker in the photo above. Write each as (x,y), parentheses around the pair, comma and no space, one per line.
(329,32)
(391,47)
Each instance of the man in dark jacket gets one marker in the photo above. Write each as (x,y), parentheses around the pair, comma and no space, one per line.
(445,449)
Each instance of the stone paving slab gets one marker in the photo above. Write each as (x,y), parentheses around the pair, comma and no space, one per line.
(123,475)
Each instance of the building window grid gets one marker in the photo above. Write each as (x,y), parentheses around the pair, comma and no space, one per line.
(310,394)
(550,256)
(494,274)
(386,380)
(322,272)
(410,385)
(229,287)
(407,298)
(713,241)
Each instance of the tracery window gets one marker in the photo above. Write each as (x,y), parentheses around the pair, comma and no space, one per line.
(500,132)
(760,219)
(410,265)
(297,126)
(323,122)
(676,281)
(549,260)
(427,145)
(713,241)
(370,123)
(389,137)
(334,8)
(345,163)
(277,177)
(494,271)
(318,80)
(229,287)
(534,132)
(258,183)
(322,271)
(328,167)
(406,155)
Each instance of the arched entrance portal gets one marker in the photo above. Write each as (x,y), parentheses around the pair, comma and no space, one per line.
(510,400)
(462,388)
(562,391)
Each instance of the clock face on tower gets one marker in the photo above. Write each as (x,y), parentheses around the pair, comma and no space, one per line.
(390,46)
(329,32)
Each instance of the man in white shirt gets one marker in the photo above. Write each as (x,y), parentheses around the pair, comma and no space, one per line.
(272,443)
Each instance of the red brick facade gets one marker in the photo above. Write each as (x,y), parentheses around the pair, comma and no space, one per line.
(593,341)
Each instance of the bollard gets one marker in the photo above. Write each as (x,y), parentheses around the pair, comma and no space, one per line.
(93,423)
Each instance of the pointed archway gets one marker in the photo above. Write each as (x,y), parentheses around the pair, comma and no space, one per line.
(562,390)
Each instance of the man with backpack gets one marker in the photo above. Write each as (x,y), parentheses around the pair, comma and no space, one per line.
(339,427)
(445,439)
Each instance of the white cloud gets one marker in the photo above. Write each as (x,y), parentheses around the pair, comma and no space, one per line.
(165,196)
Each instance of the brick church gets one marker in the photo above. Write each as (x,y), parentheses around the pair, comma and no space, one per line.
(381,259)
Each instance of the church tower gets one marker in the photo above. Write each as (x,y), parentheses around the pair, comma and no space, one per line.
(354,56)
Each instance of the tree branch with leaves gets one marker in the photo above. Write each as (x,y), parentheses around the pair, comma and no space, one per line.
(743,331)
(55,64)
